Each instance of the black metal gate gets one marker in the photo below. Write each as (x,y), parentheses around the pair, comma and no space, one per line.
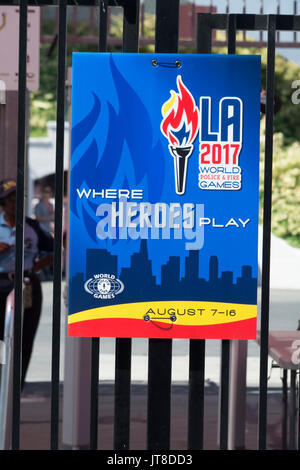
(159,375)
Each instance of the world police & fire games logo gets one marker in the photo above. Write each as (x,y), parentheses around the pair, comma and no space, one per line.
(104,286)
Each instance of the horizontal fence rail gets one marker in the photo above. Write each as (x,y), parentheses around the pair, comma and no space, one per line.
(159,371)
(286,24)
(82,3)
(252,22)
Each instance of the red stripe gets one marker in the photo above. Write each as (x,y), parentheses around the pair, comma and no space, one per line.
(134,328)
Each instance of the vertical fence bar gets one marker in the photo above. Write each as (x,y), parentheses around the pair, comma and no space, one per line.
(295,13)
(196,394)
(224,394)
(278,13)
(284,409)
(159,394)
(124,345)
(293,410)
(103,20)
(298,423)
(131,26)
(203,41)
(244,13)
(261,11)
(167,26)
(94,407)
(122,394)
(160,350)
(225,345)
(197,347)
(19,254)
(265,292)
(231,48)
(59,190)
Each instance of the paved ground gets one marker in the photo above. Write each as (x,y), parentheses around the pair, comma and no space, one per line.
(35,417)
(35,406)
(284,315)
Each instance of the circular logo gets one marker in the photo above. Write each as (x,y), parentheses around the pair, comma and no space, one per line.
(104,286)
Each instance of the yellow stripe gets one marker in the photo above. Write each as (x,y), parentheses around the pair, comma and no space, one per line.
(206,313)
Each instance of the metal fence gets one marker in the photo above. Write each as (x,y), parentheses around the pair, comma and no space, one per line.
(159,372)
(187,31)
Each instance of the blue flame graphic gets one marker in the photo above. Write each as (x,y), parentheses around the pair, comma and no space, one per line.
(129,158)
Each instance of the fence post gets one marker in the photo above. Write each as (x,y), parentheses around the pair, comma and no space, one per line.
(6,402)
(237,394)
(77,370)
(160,350)
(76,403)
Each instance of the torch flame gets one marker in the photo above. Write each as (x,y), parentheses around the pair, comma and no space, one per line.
(180,113)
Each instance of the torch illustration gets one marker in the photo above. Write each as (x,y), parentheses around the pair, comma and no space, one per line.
(180,127)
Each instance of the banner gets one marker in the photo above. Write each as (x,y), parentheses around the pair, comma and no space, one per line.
(164,195)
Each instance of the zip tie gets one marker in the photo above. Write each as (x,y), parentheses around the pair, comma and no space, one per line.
(175,64)
(154,321)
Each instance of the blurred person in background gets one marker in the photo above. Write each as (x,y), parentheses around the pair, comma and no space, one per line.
(36,240)
(44,210)
(44,214)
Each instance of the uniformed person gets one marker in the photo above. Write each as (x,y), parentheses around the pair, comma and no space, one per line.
(35,240)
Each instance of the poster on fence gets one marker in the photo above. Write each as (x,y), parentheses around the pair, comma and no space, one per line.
(164,196)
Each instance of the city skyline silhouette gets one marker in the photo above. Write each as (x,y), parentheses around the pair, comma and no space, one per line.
(140,284)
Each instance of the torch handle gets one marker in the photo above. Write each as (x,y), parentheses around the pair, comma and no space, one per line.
(180,155)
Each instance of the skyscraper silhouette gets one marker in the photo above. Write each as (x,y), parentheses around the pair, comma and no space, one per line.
(170,276)
(100,261)
(213,269)
(140,271)
(192,266)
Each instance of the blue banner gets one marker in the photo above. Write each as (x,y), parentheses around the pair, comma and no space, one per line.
(164,195)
